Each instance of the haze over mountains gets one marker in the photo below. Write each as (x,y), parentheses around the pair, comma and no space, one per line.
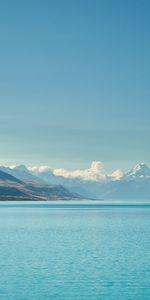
(19,184)
(93,182)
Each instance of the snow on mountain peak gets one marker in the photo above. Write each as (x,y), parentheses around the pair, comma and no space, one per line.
(20,168)
(95,172)
(139,171)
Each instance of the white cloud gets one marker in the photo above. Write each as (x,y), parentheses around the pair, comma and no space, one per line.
(117,175)
(95,172)
(41,169)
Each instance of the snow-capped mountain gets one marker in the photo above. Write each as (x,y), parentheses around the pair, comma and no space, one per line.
(20,172)
(13,188)
(139,171)
(92,182)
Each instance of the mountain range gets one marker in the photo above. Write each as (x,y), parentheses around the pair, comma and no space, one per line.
(19,184)
(45,183)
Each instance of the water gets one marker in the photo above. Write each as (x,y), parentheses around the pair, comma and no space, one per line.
(75,252)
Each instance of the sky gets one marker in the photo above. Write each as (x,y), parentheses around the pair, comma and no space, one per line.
(75,82)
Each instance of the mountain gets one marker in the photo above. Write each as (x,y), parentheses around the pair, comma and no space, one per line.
(45,174)
(21,172)
(93,183)
(7,177)
(14,188)
(140,171)
(10,186)
(135,184)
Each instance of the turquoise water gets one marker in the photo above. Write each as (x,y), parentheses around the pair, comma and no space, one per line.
(73,251)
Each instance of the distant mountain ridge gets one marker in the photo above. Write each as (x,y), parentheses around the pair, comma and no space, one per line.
(8,177)
(91,183)
(13,188)
(138,172)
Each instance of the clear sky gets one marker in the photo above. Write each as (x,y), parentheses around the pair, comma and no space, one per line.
(75,82)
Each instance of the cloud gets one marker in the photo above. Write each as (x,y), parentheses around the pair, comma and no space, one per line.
(117,175)
(41,169)
(95,172)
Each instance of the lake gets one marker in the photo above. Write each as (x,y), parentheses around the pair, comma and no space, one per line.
(74,251)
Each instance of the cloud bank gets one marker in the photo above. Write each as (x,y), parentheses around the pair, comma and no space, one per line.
(95,172)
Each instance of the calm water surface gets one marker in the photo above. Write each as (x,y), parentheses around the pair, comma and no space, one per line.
(73,251)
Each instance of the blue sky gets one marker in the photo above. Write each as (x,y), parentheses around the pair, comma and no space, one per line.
(75,82)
